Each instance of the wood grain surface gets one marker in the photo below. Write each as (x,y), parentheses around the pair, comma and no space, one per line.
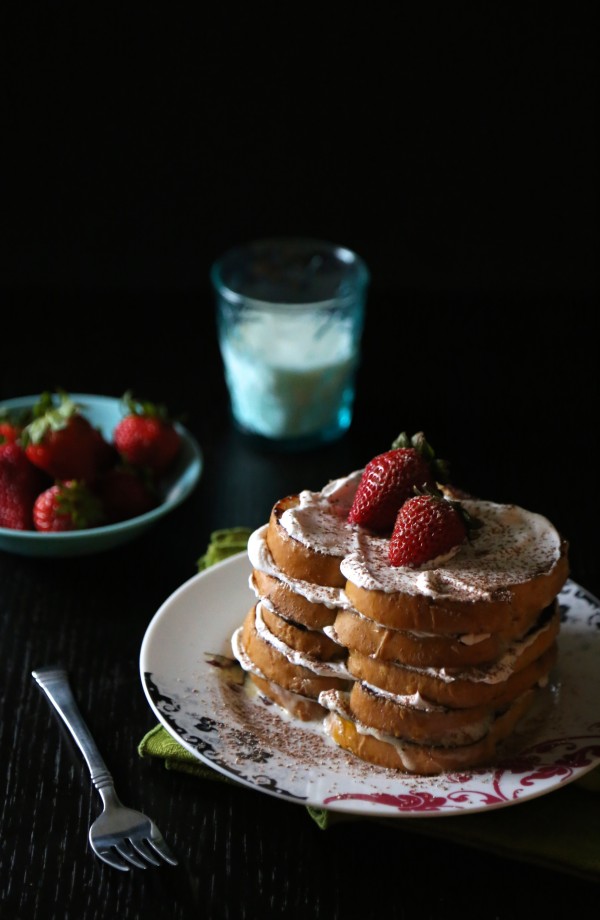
(514,427)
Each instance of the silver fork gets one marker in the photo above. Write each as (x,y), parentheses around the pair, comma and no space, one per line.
(120,836)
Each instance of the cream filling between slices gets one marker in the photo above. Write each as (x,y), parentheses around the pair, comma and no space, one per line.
(321,668)
(328,631)
(410,700)
(262,560)
(336,702)
(239,653)
(498,672)
(464,638)
(247,665)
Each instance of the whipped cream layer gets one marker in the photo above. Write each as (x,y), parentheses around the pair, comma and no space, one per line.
(464,638)
(497,672)
(321,668)
(261,559)
(287,698)
(512,547)
(319,519)
(240,654)
(409,700)
(337,701)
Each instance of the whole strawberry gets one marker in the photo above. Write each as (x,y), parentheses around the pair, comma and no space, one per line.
(8,430)
(428,526)
(125,493)
(67,506)
(388,480)
(146,437)
(20,483)
(12,423)
(63,443)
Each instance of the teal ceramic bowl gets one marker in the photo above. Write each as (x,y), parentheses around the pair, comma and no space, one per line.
(104,412)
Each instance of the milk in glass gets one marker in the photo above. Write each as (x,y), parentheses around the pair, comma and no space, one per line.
(290,375)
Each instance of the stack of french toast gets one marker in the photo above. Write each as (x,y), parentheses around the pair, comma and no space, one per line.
(415,623)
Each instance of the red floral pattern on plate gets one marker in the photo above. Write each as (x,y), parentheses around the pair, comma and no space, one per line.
(526,771)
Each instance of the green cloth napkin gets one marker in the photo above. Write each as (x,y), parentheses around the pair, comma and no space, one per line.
(224,543)
(160,744)
(560,831)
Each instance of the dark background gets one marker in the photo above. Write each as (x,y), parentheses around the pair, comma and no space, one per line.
(454,149)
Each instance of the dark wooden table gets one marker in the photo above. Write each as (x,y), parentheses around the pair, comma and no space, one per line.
(506,392)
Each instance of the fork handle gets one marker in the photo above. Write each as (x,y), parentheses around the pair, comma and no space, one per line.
(55,684)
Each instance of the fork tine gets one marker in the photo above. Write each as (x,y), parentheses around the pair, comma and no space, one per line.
(143,848)
(111,858)
(129,854)
(158,842)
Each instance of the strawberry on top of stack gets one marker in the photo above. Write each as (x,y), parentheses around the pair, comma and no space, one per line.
(389,479)
(443,608)
(59,473)
(399,493)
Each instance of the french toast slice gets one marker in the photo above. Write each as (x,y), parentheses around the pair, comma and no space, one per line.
(307,679)
(424,759)
(508,613)
(299,707)
(299,560)
(415,719)
(419,650)
(292,604)
(499,682)
(311,642)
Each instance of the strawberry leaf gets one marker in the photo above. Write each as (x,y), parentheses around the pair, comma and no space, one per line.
(439,467)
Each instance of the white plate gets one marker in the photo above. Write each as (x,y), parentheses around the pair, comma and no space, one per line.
(246,739)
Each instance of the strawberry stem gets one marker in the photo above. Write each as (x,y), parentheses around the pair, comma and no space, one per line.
(419,442)
(144,408)
(48,416)
(471,523)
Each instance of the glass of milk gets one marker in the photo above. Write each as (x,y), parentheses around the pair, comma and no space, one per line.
(290,315)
